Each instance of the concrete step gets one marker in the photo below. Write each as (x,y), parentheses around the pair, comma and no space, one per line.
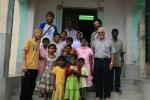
(17,90)
(126,96)
(91,96)
(15,97)
(128,87)
(127,81)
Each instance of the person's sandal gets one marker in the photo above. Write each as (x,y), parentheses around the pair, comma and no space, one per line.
(41,95)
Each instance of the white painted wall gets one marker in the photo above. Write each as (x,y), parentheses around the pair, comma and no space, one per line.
(15,33)
(3,15)
(42,8)
(80,3)
(119,15)
(15,37)
(114,17)
(30,18)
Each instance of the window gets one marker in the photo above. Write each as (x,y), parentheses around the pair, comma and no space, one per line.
(86,17)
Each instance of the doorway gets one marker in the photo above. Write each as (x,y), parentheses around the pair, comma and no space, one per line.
(82,20)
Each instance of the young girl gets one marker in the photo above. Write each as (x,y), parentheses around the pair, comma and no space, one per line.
(63,35)
(83,77)
(85,52)
(59,45)
(47,78)
(59,79)
(76,43)
(67,52)
(43,53)
(72,82)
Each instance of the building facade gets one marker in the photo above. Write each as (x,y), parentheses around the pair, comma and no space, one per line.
(18,18)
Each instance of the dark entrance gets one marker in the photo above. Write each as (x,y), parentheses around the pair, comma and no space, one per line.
(82,20)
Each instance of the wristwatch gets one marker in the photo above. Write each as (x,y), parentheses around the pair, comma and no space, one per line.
(111,63)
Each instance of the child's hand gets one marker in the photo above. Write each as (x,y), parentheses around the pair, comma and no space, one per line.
(76,73)
(73,71)
(51,88)
(42,58)
(54,87)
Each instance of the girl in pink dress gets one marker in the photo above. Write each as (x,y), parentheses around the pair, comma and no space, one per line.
(85,52)
(43,54)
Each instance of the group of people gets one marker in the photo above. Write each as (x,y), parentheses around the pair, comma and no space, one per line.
(65,65)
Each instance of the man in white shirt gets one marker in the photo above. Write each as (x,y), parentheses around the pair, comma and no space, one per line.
(48,28)
(71,32)
(103,63)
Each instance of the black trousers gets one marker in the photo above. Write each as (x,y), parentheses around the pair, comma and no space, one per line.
(28,82)
(102,77)
(116,77)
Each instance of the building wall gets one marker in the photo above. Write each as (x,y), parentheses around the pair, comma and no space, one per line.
(122,15)
(15,38)
(115,15)
(42,8)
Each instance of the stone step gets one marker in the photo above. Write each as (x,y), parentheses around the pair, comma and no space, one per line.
(126,96)
(127,81)
(129,88)
(91,96)
(15,97)
(130,92)
(17,90)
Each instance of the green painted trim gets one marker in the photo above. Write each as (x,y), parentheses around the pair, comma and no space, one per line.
(22,27)
(86,17)
(58,19)
(136,16)
(10,14)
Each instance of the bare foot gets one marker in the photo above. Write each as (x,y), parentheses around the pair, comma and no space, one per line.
(97,98)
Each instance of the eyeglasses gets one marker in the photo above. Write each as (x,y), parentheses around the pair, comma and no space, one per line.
(101,32)
(114,32)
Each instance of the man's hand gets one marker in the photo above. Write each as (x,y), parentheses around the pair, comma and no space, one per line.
(122,62)
(110,66)
(24,68)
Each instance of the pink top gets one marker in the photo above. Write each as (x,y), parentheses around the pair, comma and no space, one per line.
(86,52)
(43,54)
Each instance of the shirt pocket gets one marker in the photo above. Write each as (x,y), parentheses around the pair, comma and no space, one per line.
(107,48)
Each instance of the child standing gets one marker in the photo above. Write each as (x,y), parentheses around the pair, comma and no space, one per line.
(59,45)
(76,43)
(59,79)
(85,52)
(30,65)
(63,37)
(48,28)
(69,41)
(67,52)
(47,78)
(72,82)
(83,76)
(43,53)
